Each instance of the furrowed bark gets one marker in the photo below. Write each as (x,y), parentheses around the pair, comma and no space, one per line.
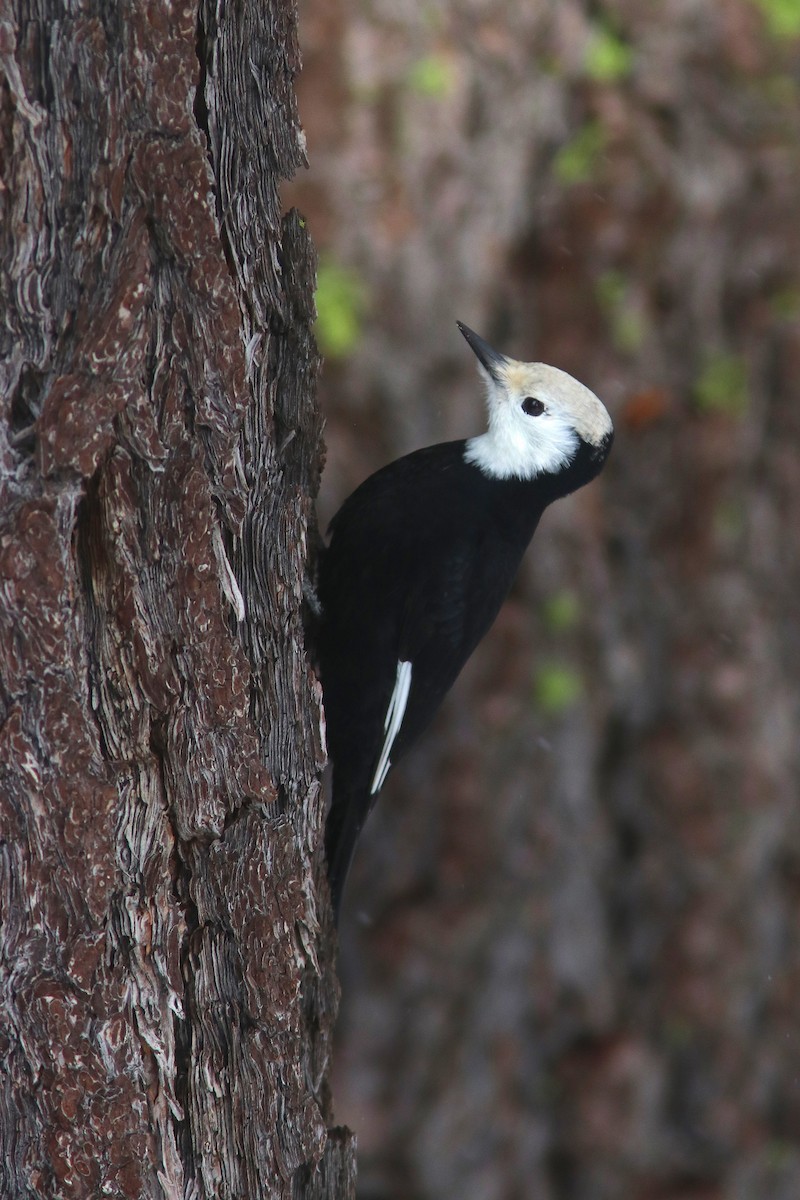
(168,990)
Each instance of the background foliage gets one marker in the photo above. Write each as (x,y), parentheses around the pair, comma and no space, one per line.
(570,956)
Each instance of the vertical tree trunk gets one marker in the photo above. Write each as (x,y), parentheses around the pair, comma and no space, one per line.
(168,993)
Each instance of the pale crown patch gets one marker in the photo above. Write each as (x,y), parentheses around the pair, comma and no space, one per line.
(517,445)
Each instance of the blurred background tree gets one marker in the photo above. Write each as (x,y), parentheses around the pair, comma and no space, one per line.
(570,954)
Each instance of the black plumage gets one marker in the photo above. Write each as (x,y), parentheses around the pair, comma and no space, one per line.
(420,560)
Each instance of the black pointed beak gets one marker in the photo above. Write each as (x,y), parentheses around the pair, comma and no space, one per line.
(491,360)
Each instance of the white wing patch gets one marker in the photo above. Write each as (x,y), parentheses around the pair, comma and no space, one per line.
(394,719)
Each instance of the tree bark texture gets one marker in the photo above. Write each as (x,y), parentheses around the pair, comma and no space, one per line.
(570,955)
(168,994)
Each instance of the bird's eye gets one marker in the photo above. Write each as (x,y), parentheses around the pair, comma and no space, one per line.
(532,406)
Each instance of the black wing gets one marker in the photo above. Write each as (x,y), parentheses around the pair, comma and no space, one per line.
(418,566)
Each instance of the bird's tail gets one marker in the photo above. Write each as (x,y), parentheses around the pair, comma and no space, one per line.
(346,818)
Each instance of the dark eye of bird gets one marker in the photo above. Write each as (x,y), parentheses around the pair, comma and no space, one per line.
(532,406)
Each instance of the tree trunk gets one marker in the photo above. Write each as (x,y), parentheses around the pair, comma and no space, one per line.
(168,990)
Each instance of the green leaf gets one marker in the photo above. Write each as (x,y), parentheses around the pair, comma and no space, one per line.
(729,521)
(722,386)
(578,159)
(782,17)
(561,612)
(678,1033)
(780,1153)
(785,303)
(627,323)
(432,76)
(340,300)
(557,687)
(608,59)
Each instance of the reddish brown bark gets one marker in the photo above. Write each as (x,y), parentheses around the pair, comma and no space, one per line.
(168,994)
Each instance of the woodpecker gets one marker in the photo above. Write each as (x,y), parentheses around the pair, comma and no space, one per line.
(420,559)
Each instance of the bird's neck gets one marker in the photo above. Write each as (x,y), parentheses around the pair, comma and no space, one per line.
(583,468)
(542,489)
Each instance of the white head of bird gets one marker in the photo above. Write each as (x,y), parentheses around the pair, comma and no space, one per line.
(538,416)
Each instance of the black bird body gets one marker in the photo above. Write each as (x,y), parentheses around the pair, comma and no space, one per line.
(420,560)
